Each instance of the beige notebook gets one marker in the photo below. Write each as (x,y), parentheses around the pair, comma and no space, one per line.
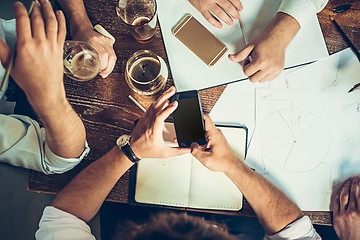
(184,182)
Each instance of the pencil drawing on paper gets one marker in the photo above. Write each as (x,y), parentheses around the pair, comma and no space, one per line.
(297,131)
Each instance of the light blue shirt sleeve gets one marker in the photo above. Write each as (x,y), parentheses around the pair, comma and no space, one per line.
(60,225)
(302,9)
(301,229)
(23,144)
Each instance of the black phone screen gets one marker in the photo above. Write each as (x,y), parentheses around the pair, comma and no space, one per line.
(188,120)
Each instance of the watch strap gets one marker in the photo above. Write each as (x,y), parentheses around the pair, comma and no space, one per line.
(129,153)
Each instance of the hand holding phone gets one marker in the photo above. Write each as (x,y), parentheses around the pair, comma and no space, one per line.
(188,119)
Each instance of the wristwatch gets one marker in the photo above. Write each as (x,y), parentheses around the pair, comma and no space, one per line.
(123,142)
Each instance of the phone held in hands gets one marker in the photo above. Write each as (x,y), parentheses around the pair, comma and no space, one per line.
(188,118)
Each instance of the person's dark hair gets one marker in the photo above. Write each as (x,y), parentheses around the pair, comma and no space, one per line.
(172,226)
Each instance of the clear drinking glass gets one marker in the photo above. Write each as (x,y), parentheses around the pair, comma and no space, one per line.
(81,61)
(140,17)
(146,73)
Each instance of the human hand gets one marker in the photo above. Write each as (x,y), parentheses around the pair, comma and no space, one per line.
(268,49)
(103,45)
(347,210)
(216,155)
(219,8)
(267,54)
(38,66)
(147,137)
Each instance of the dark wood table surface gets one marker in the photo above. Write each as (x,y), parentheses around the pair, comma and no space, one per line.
(107,112)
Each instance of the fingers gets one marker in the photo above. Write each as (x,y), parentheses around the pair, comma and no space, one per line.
(198,152)
(37,22)
(5,53)
(177,151)
(51,25)
(344,196)
(210,18)
(110,62)
(229,7)
(209,125)
(23,30)
(354,191)
(61,34)
(242,55)
(164,98)
(237,4)
(165,113)
(337,204)
(358,193)
(220,13)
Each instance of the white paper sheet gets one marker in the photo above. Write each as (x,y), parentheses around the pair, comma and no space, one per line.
(189,72)
(307,133)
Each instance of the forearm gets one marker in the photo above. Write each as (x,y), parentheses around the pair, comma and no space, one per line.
(65,132)
(283,28)
(272,207)
(84,195)
(76,15)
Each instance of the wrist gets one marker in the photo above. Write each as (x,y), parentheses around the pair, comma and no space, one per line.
(77,30)
(234,166)
(50,106)
(122,158)
(136,149)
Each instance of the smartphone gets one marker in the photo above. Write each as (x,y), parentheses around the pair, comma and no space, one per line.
(188,118)
(199,40)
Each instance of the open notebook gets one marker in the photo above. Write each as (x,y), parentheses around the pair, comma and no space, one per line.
(184,182)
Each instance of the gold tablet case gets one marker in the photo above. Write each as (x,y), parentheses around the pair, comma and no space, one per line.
(199,40)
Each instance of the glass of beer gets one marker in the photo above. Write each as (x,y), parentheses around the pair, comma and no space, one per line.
(139,17)
(146,73)
(81,61)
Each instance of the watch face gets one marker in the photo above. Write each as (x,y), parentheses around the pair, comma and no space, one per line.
(122,140)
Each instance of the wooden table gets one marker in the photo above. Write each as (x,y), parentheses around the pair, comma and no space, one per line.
(107,112)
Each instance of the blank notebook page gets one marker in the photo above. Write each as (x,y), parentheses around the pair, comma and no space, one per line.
(164,181)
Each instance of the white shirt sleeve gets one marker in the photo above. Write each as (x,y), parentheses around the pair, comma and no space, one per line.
(301,229)
(23,143)
(60,225)
(302,9)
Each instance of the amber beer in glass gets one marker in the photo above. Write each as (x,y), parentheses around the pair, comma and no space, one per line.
(146,73)
(140,17)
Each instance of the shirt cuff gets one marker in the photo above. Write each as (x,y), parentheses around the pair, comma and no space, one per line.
(60,225)
(301,10)
(56,164)
(300,229)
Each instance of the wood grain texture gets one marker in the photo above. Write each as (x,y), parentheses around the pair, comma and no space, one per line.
(107,112)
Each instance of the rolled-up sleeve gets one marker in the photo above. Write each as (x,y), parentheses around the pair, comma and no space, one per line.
(60,225)
(301,229)
(23,144)
(302,9)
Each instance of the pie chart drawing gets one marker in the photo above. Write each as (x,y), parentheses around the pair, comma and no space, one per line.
(295,140)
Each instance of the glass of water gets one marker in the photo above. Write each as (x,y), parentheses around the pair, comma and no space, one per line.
(81,61)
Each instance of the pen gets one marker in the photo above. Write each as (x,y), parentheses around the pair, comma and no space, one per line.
(137,103)
(355,87)
(12,57)
(347,40)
